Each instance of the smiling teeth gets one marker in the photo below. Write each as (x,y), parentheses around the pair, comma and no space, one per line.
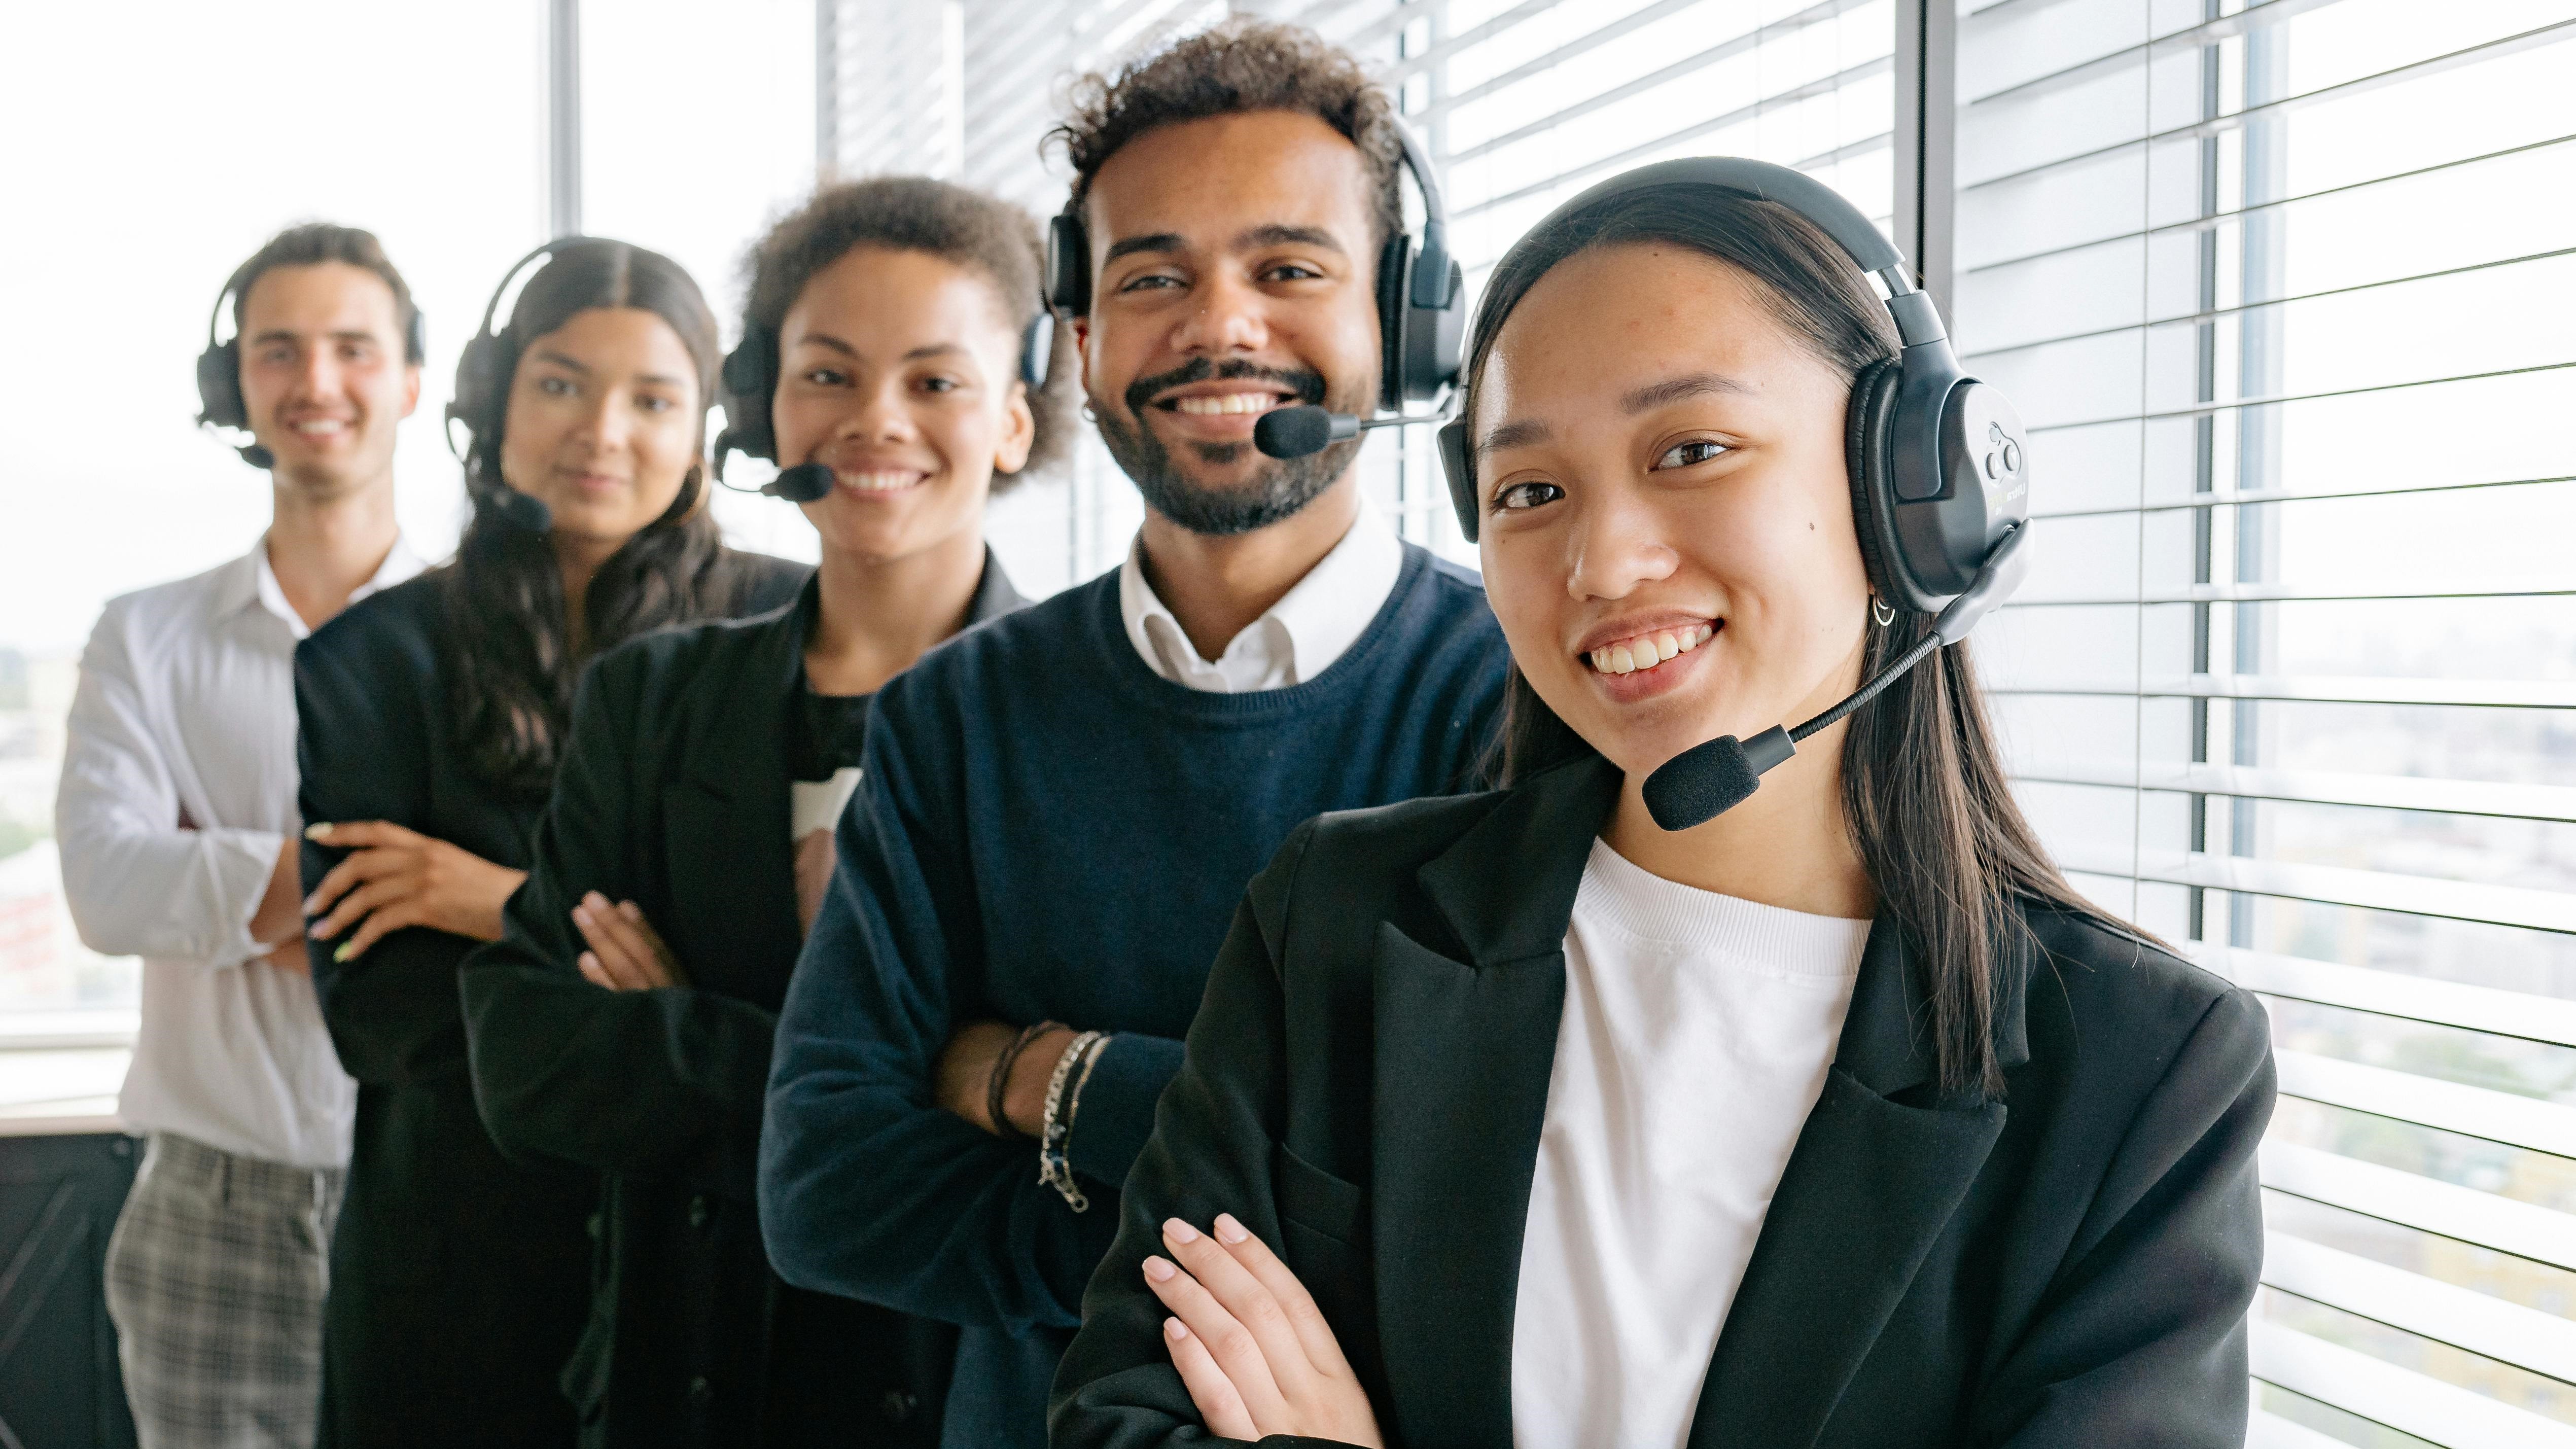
(1648,650)
(1227,402)
(880,482)
(317,427)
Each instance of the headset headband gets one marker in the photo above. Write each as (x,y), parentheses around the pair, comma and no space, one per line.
(1917,320)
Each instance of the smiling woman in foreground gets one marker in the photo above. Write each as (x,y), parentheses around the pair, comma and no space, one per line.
(1839,1119)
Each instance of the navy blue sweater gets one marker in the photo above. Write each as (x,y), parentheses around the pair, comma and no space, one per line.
(1047,829)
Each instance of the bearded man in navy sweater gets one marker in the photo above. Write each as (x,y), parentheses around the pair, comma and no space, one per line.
(1059,810)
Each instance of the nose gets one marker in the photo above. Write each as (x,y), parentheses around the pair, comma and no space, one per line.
(1618,542)
(1230,316)
(882,415)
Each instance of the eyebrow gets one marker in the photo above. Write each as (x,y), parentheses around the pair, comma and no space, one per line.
(1522,432)
(1160,241)
(574,364)
(1675,389)
(927,349)
(1279,235)
(288,334)
(1276,234)
(1519,433)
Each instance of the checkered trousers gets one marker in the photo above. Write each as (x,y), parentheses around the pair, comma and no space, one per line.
(215,1277)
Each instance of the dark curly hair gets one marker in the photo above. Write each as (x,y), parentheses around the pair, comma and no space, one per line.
(1243,64)
(917,214)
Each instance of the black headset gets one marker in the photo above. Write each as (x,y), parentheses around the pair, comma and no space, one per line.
(1421,294)
(751,383)
(219,392)
(1939,465)
(481,398)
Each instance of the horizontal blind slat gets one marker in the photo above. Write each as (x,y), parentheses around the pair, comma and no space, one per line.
(2513,1014)
(2399,1398)
(2193,37)
(2227,497)
(2193,319)
(2411,1200)
(2429,1102)
(2315,787)
(1824,85)
(2362,85)
(2264,1430)
(2317,689)
(2464,1318)
(2217,219)
(2335,885)
(2523,588)
(2229,405)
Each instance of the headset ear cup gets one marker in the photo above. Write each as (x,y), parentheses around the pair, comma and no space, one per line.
(749,376)
(219,394)
(1068,265)
(1394,308)
(1873,495)
(1460,471)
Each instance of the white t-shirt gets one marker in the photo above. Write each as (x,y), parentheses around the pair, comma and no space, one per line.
(1696,1035)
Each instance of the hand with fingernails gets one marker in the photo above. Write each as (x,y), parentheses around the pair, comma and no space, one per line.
(1249,1342)
(393,878)
(626,953)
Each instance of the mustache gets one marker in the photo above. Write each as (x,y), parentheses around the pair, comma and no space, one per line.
(1306,383)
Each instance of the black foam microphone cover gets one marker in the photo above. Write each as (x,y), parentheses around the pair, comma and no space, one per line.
(522,511)
(804,483)
(1707,780)
(1294,432)
(257,456)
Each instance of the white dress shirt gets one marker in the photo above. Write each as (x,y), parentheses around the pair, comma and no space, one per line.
(1312,625)
(1695,1038)
(186,713)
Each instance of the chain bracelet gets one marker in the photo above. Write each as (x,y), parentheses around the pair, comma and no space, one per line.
(1055,1169)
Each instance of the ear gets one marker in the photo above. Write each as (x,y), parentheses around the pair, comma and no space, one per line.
(411,388)
(1019,431)
(1081,325)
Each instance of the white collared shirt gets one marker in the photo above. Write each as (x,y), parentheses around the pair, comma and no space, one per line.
(1696,1034)
(186,713)
(1312,625)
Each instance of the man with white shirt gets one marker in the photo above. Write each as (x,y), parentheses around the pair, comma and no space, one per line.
(179,844)
(1058,811)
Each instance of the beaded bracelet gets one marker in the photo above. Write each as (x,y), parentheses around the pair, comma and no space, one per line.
(997,1086)
(1055,1168)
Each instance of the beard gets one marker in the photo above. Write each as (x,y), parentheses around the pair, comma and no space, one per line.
(1278,490)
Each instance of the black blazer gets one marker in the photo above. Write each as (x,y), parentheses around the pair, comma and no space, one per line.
(674,793)
(458,1278)
(1365,1085)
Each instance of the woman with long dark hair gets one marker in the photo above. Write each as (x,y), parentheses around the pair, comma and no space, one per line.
(433,717)
(894,353)
(1836,1119)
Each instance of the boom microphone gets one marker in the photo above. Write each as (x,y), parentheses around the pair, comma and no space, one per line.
(1707,780)
(803,483)
(1294,432)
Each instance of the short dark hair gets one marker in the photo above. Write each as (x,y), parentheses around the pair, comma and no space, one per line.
(917,214)
(312,243)
(1243,64)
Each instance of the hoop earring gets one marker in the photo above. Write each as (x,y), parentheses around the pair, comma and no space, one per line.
(1880,612)
(1088,415)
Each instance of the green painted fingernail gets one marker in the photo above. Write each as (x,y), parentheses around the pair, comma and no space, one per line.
(343,953)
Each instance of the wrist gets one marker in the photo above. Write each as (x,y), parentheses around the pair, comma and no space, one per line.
(1024,1099)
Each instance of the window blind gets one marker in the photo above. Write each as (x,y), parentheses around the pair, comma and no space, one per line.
(2283,290)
